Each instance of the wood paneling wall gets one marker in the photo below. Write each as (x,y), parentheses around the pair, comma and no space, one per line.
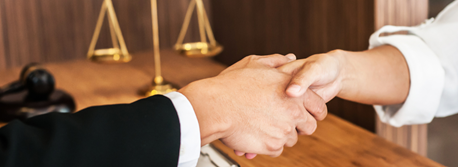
(291,26)
(300,27)
(402,13)
(57,30)
(436,6)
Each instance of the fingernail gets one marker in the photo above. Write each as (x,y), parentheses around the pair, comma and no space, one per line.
(291,56)
(294,89)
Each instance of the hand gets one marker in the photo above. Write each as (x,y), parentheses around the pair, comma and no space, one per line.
(376,76)
(321,73)
(247,108)
(320,116)
(313,103)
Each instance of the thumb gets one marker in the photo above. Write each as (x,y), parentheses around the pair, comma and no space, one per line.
(303,77)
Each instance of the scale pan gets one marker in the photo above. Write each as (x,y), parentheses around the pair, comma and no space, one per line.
(198,49)
(110,55)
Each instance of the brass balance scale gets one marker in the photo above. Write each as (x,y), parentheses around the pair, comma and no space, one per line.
(120,54)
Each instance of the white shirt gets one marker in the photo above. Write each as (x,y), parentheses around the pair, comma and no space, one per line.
(189,128)
(431,52)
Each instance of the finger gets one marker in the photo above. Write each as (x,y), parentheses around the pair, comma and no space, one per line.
(315,105)
(292,67)
(247,155)
(239,153)
(301,81)
(292,139)
(250,155)
(308,126)
(277,60)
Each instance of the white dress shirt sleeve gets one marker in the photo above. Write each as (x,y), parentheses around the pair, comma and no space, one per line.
(189,128)
(431,52)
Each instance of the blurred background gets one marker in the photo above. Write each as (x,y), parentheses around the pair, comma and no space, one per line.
(61,30)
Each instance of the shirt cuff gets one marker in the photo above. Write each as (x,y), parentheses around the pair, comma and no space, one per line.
(426,81)
(189,128)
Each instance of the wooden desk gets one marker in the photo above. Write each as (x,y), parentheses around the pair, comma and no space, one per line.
(335,142)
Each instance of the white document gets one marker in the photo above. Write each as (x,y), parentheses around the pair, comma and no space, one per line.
(212,157)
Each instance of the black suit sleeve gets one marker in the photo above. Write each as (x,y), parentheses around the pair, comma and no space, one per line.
(144,133)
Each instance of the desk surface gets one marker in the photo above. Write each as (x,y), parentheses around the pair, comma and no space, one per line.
(335,142)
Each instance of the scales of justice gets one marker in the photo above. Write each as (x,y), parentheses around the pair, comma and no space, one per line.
(120,54)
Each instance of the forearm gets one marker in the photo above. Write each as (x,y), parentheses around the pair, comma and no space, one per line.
(376,76)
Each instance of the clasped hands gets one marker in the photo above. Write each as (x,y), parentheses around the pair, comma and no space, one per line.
(261,103)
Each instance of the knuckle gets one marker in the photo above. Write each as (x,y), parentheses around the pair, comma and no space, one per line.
(297,114)
(253,56)
(287,130)
(254,59)
(300,115)
(274,146)
(336,51)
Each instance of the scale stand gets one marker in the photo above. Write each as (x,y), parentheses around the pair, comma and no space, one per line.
(117,54)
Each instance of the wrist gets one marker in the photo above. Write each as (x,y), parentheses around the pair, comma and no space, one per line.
(204,99)
(345,74)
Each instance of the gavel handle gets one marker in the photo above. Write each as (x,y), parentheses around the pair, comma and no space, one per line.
(11,88)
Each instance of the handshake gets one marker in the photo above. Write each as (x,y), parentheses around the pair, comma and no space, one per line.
(261,103)
(256,106)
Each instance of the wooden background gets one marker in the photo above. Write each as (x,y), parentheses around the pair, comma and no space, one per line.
(57,30)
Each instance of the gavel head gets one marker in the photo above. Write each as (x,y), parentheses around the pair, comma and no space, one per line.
(38,81)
